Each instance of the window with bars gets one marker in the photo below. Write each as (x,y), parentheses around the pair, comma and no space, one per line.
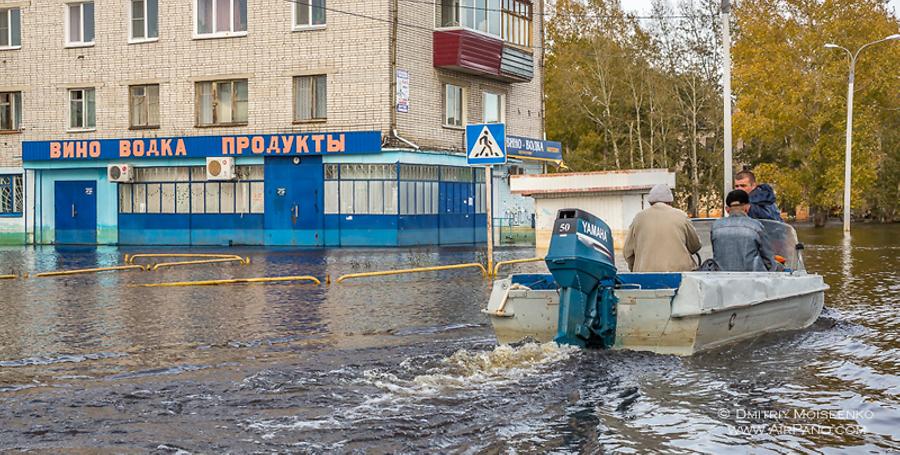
(11,195)
(184,190)
(216,18)
(310,98)
(80,24)
(144,106)
(144,20)
(10,28)
(10,111)
(222,102)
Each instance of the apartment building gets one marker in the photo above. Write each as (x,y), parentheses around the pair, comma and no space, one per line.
(260,122)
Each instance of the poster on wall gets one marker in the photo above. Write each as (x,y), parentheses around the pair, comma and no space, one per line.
(402,91)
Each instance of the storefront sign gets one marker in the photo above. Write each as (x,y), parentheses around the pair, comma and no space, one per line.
(355,142)
(527,148)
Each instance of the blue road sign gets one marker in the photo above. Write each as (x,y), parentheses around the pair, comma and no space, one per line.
(486,144)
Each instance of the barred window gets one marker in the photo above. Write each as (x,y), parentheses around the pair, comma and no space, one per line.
(11,195)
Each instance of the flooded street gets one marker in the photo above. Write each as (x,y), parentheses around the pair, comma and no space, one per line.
(409,364)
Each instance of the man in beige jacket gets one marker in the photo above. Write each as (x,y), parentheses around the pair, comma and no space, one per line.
(661,238)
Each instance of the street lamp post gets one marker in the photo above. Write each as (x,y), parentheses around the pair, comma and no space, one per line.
(726,92)
(848,153)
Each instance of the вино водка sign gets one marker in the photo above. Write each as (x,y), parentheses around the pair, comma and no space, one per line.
(355,142)
(523,147)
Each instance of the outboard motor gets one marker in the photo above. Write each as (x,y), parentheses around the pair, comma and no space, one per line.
(582,263)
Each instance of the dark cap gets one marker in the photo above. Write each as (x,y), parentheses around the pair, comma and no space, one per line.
(737,197)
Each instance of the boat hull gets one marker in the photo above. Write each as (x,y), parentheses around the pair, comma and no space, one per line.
(705,311)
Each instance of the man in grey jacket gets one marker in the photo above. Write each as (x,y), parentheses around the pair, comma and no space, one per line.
(739,242)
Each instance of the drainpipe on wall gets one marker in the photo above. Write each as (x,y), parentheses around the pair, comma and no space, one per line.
(405,141)
(392,96)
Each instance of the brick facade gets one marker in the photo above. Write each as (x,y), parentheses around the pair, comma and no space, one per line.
(353,51)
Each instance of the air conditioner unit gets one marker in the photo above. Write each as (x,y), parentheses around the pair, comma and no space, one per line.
(220,168)
(122,173)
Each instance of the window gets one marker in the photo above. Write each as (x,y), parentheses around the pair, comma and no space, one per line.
(10,28)
(11,195)
(222,103)
(185,190)
(80,24)
(480,15)
(309,14)
(82,109)
(494,107)
(143,106)
(310,98)
(361,189)
(144,20)
(10,111)
(516,23)
(220,18)
(453,105)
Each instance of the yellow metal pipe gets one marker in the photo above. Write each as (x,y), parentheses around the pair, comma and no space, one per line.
(94,270)
(484,272)
(514,261)
(233,281)
(130,258)
(202,261)
(8,277)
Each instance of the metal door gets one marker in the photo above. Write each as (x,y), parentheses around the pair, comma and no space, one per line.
(76,212)
(294,201)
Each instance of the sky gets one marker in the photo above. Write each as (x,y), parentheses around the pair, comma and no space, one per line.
(643,6)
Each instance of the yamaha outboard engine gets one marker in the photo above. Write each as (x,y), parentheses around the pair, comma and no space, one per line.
(582,263)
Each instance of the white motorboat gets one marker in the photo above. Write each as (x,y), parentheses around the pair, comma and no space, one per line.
(667,313)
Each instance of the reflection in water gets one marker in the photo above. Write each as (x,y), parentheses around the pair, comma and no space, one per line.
(409,364)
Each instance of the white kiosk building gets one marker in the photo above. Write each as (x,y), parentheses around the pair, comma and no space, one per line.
(614,196)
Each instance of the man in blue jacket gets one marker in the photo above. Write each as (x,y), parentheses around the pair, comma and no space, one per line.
(762,197)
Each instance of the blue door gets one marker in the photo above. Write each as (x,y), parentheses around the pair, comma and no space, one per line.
(76,212)
(294,201)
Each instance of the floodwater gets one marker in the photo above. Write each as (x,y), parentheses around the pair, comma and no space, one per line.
(408,364)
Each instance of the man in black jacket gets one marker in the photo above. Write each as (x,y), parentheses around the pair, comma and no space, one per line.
(762,197)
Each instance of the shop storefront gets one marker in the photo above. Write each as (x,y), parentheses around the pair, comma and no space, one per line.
(327,189)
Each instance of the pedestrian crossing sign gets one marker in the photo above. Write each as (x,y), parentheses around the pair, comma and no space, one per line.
(486,144)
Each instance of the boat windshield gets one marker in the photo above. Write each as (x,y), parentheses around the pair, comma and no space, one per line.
(782,237)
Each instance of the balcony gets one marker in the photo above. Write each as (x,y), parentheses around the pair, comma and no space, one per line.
(470,52)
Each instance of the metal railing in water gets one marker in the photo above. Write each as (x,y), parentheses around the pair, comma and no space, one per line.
(275,279)
(484,271)
(500,264)
(117,268)
(130,258)
(243,261)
